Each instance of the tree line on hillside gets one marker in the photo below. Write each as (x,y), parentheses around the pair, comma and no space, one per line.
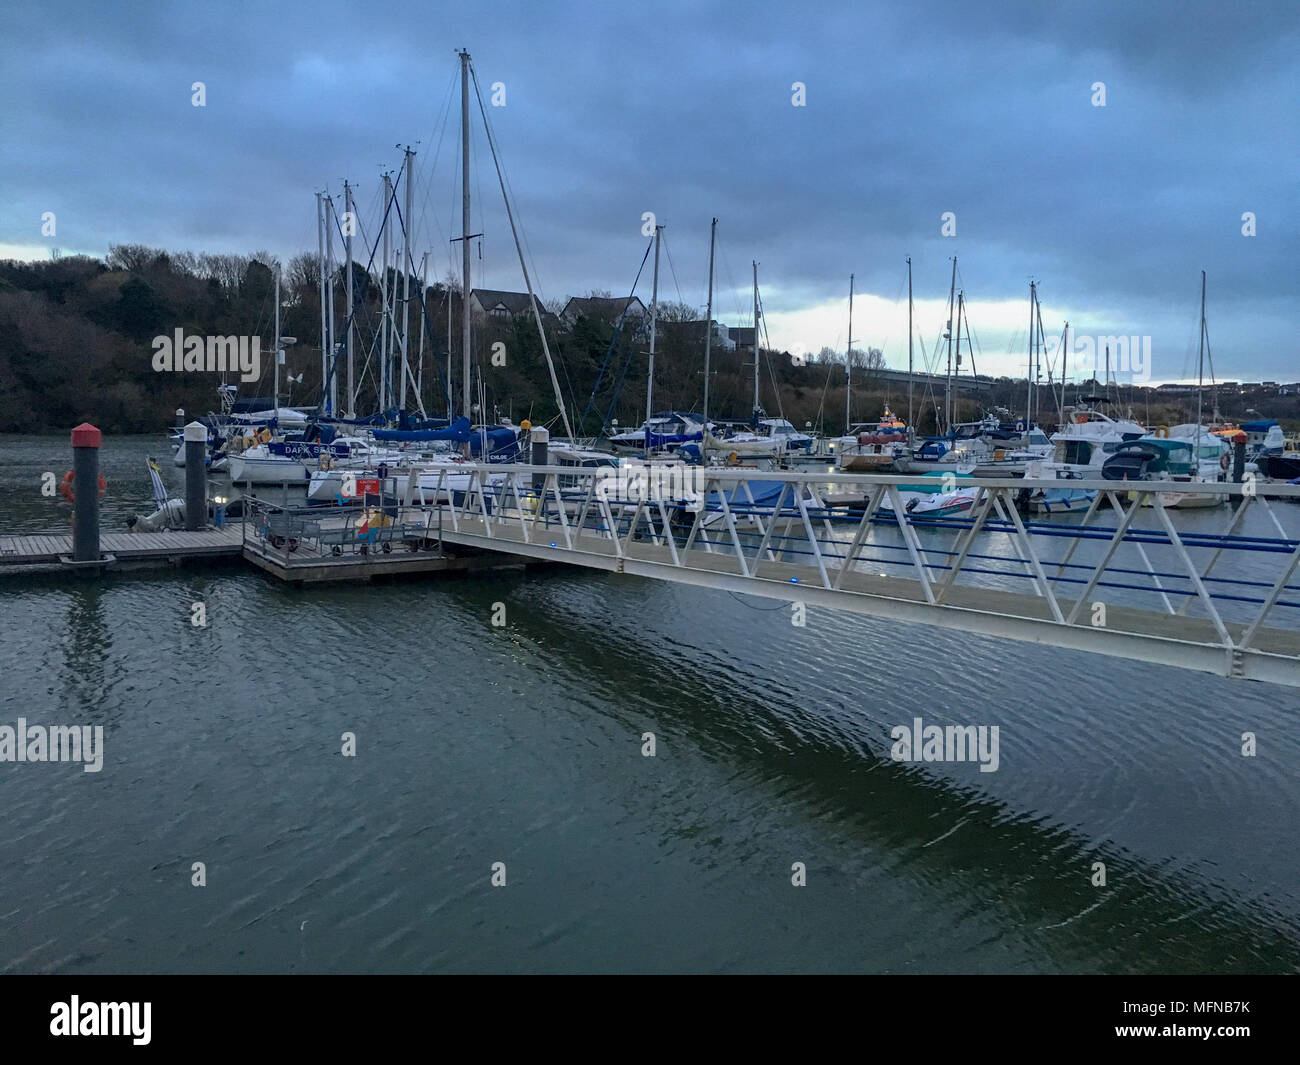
(76,333)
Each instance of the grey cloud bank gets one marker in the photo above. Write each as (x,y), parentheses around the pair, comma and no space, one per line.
(685,110)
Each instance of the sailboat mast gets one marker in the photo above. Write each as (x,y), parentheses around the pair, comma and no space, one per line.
(848,365)
(449,353)
(320,262)
(276,346)
(1029,375)
(1200,372)
(419,358)
(755,416)
(1065,364)
(329,300)
(464,233)
(708,337)
(909,342)
(347,250)
(654,317)
(406,273)
(952,291)
(385,378)
(960,307)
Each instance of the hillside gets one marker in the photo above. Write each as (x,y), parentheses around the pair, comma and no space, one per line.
(76,332)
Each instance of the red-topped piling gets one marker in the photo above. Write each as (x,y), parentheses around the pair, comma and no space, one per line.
(86,481)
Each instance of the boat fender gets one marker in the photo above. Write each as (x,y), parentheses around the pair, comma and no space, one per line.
(326,461)
(65,486)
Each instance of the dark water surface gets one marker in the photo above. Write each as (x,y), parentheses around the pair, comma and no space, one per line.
(522,744)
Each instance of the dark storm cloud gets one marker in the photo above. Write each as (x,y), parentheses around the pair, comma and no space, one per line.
(685,110)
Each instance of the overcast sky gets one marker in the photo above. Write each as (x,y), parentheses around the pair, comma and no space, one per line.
(910,110)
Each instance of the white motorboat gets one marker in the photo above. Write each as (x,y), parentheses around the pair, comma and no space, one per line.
(1080,448)
(666,431)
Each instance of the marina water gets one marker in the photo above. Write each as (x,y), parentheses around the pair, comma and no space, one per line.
(522,744)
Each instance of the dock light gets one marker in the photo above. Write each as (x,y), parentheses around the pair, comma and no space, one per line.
(794,580)
(552,543)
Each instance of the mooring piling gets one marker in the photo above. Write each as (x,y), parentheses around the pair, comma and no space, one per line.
(541,440)
(86,441)
(196,477)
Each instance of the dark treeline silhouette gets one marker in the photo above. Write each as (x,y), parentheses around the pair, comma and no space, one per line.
(76,333)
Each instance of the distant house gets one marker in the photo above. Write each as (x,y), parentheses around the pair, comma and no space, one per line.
(602,308)
(501,305)
(693,332)
(741,337)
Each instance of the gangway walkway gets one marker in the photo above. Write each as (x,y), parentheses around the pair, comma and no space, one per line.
(1134,576)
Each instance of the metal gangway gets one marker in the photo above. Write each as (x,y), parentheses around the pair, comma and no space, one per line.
(1132,574)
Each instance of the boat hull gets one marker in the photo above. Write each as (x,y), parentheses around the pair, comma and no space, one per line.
(265,471)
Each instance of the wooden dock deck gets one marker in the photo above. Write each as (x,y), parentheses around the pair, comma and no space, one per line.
(45,552)
(312,567)
(23,552)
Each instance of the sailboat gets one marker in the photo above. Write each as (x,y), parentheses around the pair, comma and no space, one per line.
(875,446)
(962,446)
(423,447)
(760,436)
(1194,454)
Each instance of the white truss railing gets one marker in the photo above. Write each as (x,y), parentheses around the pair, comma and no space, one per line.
(1202,589)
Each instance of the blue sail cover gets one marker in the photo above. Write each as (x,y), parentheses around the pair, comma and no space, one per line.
(502,443)
(458,432)
(654,440)
(374,419)
(765,495)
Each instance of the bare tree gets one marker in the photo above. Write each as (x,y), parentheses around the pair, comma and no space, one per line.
(671,311)
(132,257)
(302,273)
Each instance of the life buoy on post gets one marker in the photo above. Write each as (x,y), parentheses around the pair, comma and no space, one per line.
(1162,431)
(1225,460)
(69,479)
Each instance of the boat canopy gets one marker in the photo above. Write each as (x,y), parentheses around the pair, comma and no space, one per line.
(458,432)
(1137,460)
